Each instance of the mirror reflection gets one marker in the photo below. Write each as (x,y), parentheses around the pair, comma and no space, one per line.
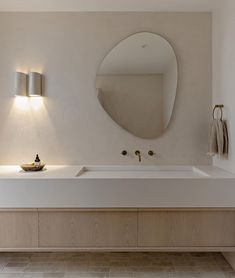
(136,84)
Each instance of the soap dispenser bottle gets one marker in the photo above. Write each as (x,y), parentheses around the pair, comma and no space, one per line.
(37,161)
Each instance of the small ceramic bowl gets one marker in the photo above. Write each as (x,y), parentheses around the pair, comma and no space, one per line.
(31,167)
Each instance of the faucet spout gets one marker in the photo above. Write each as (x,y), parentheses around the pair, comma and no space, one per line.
(137,153)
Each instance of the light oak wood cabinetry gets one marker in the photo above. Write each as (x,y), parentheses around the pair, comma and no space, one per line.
(87,228)
(117,229)
(18,229)
(186,228)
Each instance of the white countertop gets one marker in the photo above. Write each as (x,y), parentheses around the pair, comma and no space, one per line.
(116,172)
(117,187)
(49,172)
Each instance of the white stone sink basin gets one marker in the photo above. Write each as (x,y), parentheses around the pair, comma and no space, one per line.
(145,172)
(80,186)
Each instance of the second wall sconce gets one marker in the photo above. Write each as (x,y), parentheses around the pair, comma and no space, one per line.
(35,84)
(28,85)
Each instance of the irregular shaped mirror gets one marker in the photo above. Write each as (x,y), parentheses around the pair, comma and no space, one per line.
(136,84)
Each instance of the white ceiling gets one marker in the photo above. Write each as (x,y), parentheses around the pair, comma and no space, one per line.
(109,5)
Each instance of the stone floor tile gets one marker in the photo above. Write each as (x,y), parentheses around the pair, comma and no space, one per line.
(53,275)
(11,275)
(32,275)
(123,265)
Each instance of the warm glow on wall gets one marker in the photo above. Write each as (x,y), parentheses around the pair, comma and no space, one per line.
(36,103)
(21,103)
(27,104)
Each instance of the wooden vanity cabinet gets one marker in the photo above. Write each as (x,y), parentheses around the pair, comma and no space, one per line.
(186,228)
(18,228)
(84,228)
(117,229)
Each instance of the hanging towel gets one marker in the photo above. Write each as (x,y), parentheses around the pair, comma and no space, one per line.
(226,141)
(213,146)
(218,138)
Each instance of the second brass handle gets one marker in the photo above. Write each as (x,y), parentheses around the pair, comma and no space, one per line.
(150,153)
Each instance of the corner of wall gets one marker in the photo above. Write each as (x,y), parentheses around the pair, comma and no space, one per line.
(223,87)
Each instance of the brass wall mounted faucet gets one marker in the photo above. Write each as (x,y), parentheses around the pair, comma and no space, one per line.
(137,153)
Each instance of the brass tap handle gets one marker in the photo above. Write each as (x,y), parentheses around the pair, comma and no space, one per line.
(124,152)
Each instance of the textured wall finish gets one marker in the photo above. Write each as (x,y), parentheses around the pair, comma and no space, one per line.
(108,5)
(223,72)
(69,125)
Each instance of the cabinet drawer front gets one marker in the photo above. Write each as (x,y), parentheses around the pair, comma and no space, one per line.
(87,229)
(186,228)
(18,229)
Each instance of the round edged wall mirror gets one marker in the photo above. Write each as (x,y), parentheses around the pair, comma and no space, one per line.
(136,84)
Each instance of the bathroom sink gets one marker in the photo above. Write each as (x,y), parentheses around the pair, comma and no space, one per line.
(145,172)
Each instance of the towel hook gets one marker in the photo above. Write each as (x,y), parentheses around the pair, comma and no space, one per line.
(219,106)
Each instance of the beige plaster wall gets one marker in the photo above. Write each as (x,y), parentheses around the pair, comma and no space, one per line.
(223,73)
(70,126)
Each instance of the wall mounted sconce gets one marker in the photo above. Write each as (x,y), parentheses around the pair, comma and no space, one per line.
(20,84)
(35,84)
(28,85)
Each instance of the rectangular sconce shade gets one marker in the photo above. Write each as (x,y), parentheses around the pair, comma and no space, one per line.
(35,84)
(20,84)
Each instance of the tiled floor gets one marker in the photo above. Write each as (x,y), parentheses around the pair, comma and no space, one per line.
(48,265)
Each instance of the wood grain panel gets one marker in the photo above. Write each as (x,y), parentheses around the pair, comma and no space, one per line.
(88,228)
(186,228)
(18,229)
